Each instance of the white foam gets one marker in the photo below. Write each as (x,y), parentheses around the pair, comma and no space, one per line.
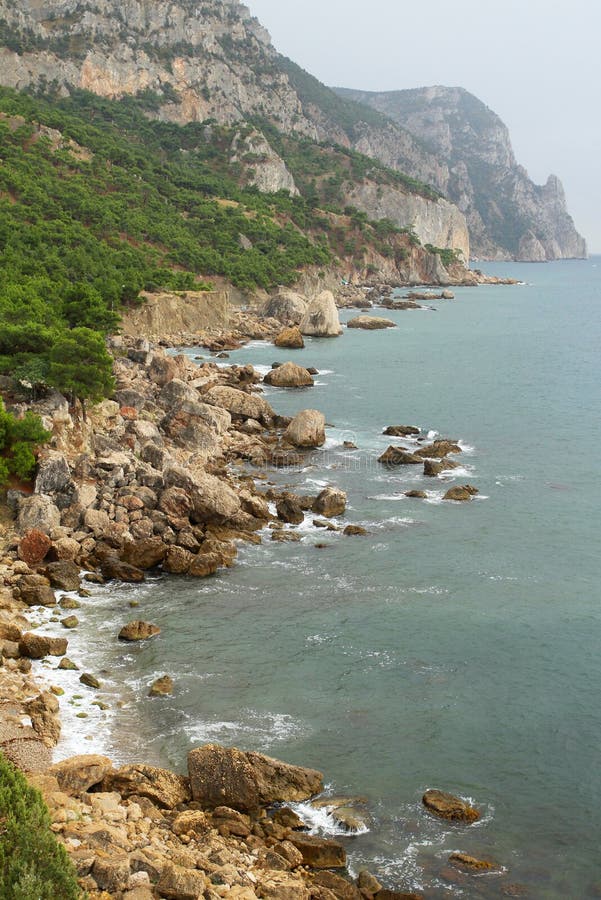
(319,820)
(256,729)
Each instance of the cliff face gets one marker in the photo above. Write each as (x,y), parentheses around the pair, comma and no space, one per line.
(212,60)
(508,215)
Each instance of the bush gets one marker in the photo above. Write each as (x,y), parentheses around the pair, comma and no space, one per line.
(32,863)
(18,440)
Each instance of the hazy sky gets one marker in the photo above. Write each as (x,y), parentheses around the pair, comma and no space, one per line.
(537,63)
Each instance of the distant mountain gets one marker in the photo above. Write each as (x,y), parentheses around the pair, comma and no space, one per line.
(508,215)
(202,60)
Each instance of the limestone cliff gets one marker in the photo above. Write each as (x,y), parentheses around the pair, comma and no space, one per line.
(508,215)
(212,60)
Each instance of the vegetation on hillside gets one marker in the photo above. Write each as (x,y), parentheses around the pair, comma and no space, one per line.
(32,862)
(19,439)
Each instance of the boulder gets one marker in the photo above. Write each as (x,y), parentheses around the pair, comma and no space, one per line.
(287,306)
(177,560)
(37,646)
(160,786)
(447,295)
(63,575)
(290,338)
(78,774)
(306,430)
(339,886)
(97,520)
(192,821)
(53,475)
(370,323)
(39,512)
(461,494)
(35,590)
(354,530)
(432,468)
(204,564)
(138,631)
(289,510)
(418,495)
(398,456)
(113,568)
(447,806)
(175,503)
(289,375)
(246,781)
(111,874)
(33,547)
(239,403)
(161,687)
(329,503)
(212,499)
(401,430)
(321,318)
(179,883)
(438,449)
(144,554)
(318,852)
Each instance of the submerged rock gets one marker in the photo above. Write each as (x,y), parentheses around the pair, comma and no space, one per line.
(138,631)
(401,430)
(398,456)
(461,494)
(469,863)
(162,687)
(447,806)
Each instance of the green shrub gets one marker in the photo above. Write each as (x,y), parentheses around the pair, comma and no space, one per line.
(18,438)
(33,865)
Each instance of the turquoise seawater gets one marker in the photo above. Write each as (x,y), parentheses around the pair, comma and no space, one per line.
(456,646)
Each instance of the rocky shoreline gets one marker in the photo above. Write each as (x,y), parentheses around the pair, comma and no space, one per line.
(170,474)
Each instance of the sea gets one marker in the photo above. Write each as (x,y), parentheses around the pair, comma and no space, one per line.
(455,646)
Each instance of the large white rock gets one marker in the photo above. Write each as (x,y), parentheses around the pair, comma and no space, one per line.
(321,318)
(307,429)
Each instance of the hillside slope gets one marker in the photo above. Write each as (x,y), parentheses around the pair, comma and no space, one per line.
(508,215)
(212,61)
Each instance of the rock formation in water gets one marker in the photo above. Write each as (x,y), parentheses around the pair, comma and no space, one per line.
(508,215)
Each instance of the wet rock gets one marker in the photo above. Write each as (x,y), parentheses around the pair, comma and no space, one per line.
(290,338)
(370,323)
(306,430)
(433,469)
(447,806)
(64,575)
(468,863)
(288,818)
(34,546)
(286,537)
(38,512)
(89,680)
(368,884)
(282,459)
(113,568)
(417,495)
(461,494)
(447,295)
(349,818)
(78,774)
(246,781)
(165,789)
(401,430)
(321,318)
(138,631)
(205,564)
(438,449)
(398,456)
(67,664)
(161,687)
(289,510)
(177,561)
(289,375)
(352,530)
(319,853)
(70,622)
(37,646)
(330,502)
